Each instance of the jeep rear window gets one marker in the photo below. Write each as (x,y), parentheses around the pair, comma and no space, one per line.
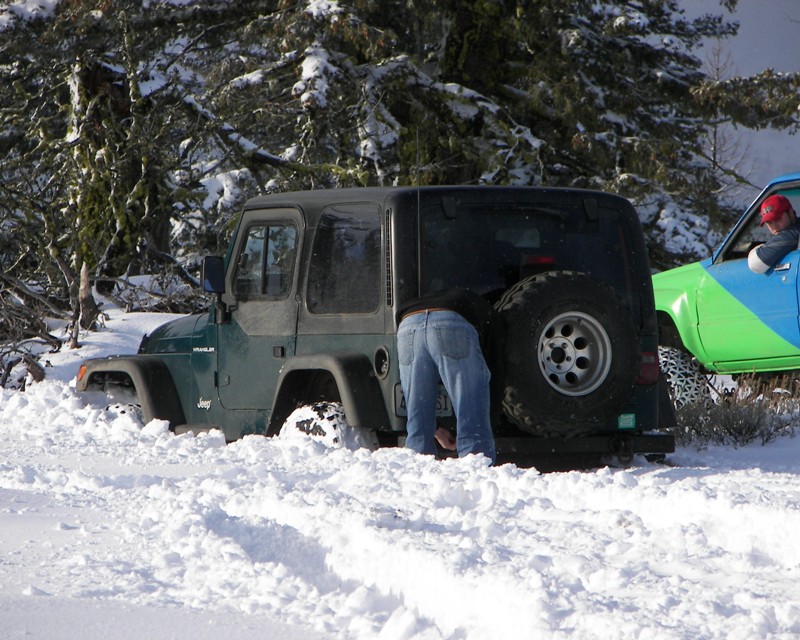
(488,248)
(345,269)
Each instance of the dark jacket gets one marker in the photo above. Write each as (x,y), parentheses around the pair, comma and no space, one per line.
(468,304)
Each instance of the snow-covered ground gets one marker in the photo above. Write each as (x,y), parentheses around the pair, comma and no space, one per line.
(113,531)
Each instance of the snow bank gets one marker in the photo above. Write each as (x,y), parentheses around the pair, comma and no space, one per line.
(110,530)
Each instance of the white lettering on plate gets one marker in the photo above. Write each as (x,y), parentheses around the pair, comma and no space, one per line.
(203,404)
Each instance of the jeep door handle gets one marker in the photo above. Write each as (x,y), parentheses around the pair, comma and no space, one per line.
(783,267)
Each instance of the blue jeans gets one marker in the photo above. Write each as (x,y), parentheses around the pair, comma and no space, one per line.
(441,345)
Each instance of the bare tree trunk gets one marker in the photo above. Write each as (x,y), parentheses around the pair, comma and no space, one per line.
(85,309)
(87,304)
(75,328)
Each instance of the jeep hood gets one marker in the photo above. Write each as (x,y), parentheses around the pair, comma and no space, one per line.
(174,336)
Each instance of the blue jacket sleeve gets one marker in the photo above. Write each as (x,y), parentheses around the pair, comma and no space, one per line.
(774,249)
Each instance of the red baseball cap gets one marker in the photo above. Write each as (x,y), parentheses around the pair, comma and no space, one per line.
(773,208)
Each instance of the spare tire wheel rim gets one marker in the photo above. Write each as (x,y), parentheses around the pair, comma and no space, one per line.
(574,353)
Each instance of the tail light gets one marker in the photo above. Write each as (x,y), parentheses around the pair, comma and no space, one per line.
(535,261)
(648,369)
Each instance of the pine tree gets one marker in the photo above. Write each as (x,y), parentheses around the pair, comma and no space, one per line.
(132,133)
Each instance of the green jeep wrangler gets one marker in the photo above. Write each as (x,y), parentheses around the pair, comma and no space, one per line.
(305,317)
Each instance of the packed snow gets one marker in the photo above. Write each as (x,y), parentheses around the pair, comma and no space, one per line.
(114,530)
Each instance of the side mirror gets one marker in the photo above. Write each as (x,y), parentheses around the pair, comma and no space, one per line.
(213,274)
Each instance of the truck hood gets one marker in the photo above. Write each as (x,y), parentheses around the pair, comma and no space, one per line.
(674,283)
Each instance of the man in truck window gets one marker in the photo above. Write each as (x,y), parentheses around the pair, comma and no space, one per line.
(779,216)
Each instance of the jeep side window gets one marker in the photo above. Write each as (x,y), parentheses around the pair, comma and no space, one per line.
(265,266)
(345,269)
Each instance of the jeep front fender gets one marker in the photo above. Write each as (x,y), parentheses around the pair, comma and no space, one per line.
(355,379)
(150,377)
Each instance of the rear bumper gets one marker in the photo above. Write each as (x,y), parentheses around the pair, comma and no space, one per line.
(525,451)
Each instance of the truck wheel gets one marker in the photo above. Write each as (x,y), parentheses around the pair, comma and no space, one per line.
(327,423)
(571,353)
(685,379)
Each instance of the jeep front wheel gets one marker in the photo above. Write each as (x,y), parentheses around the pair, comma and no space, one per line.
(571,353)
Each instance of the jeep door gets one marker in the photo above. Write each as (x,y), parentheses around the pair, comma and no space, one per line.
(345,311)
(261,294)
(747,317)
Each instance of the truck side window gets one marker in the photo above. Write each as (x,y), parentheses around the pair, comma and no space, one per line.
(265,265)
(345,269)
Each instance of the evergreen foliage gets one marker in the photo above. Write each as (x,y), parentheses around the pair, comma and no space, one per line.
(132,131)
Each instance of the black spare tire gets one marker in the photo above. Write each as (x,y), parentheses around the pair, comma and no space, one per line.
(570,353)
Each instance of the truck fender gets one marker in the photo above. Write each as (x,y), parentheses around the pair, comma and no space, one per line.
(677,323)
(354,377)
(150,377)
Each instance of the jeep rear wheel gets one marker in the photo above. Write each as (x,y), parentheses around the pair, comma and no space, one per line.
(571,353)
(326,422)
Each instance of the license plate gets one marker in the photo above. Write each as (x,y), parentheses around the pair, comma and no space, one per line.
(444,407)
